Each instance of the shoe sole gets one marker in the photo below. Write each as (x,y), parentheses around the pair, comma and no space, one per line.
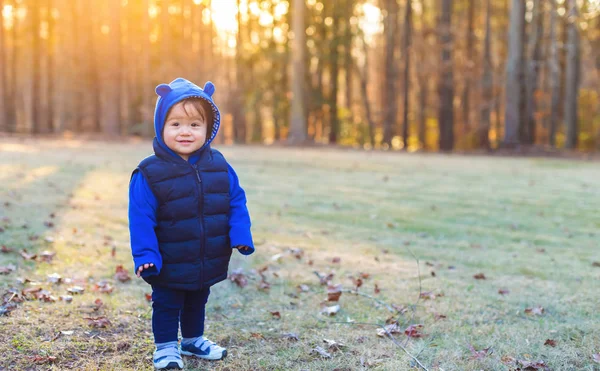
(223,355)
(172,365)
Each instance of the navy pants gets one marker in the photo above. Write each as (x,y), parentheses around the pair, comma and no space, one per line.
(171,307)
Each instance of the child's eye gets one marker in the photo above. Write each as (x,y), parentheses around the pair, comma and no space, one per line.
(175,124)
(197,124)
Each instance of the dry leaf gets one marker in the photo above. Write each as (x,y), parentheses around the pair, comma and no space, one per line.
(47,256)
(297,253)
(333,345)
(321,352)
(5,249)
(535,311)
(376,289)
(103,287)
(334,292)
(392,328)
(121,274)
(28,256)
(479,276)
(75,290)
(41,360)
(594,264)
(331,311)
(303,288)
(148,297)
(503,292)
(429,295)
(596,357)
(479,354)
(323,278)
(413,331)
(550,342)
(7,269)
(336,260)
(290,336)
(531,366)
(66,298)
(54,278)
(439,316)
(400,308)
(275,314)
(238,278)
(98,322)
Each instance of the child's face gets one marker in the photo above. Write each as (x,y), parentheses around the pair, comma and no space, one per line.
(185,129)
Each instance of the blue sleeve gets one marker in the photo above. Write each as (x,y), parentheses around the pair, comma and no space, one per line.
(239,218)
(142,221)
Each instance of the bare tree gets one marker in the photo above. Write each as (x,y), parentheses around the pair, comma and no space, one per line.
(334,71)
(470,36)
(112,118)
(533,71)
(446,83)
(146,84)
(364,78)
(555,79)
(514,68)
(50,85)
(298,119)
(407,54)
(36,113)
(487,83)
(572,77)
(3,95)
(390,106)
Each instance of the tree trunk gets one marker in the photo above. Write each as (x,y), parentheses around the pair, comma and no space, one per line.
(470,36)
(407,54)
(12,73)
(572,77)
(364,78)
(298,132)
(50,86)
(113,86)
(36,112)
(3,93)
(390,105)
(514,68)
(446,89)
(348,53)
(145,82)
(533,70)
(555,79)
(486,82)
(334,76)
(238,112)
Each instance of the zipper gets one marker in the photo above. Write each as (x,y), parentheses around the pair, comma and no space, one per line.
(201,206)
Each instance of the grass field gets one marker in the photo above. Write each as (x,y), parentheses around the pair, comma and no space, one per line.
(530,226)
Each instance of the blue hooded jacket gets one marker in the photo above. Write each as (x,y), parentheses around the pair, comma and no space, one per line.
(155,214)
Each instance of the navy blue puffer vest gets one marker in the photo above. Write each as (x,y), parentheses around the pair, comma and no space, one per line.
(192,218)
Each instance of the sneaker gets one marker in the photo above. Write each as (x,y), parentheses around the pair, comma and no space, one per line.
(205,349)
(168,359)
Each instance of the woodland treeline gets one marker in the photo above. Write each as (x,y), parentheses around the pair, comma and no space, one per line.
(401,74)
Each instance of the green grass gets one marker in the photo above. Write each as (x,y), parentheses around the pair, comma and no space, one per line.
(530,225)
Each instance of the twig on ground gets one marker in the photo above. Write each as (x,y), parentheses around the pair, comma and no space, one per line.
(414,358)
(355,292)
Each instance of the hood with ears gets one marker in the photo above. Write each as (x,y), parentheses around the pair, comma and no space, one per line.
(173,93)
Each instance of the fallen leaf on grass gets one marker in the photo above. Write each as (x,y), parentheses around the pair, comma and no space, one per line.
(535,311)
(438,316)
(596,358)
(413,331)
(28,256)
(275,314)
(333,345)
(66,298)
(357,282)
(324,279)
(336,260)
(47,256)
(121,274)
(334,292)
(103,287)
(392,328)
(331,311)
(429,295)
(503,292)
(550,342)
(303,288)
(532,366)
(93,307)
(297,253)
(321,352)
(376,289)
(7,269)
(596,264)
(479,354)
(277,258)
(479,276)
(49,224)
(41,360)
(238,278)
(400,308)
(148,297)
(98,322)
(264,285)
(290,336)
(4,249)
(75,290)
(54,278)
